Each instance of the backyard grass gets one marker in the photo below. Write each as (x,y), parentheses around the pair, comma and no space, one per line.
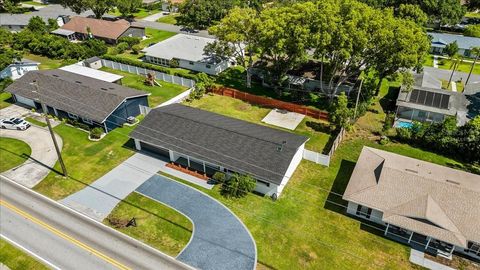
(169,19)
(5,100)
(242,110)
(14,258)
(139,14)
(48,63)
(307,229)
(86,161)
(159,94)
(35,122)
(12,153)
(157,225)
(460,86)
(155,36)
(444,63)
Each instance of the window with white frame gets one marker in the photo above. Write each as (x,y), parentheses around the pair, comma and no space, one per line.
(474,248)
(363,211)
(73,116)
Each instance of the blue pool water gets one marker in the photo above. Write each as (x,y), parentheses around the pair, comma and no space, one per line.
(402,124)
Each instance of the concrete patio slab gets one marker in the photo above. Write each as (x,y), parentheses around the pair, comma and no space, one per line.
(284,119)
(418,257)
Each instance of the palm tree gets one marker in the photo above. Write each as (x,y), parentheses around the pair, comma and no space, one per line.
(476,52)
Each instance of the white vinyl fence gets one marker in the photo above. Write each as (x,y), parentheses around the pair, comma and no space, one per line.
(143,71)
(321,158)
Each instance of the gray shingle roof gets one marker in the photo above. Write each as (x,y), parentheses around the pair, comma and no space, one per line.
(408,190)
(463,42)
(73,93)
(237,145)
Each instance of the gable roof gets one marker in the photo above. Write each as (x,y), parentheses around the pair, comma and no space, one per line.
(463,42)
(262,152)
(181,46)
(98,27)
(73,93)
(420,196)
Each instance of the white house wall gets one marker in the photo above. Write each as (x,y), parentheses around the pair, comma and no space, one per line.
(202,67)
(16,71)
(376,215)
(297,158)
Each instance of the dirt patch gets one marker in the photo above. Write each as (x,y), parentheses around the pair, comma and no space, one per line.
(456,262)
(243,107)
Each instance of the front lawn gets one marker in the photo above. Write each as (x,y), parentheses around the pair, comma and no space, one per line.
(86,161)
(5,100)
(48,63)
(33,3)
(12,153)
(159,94)
(155,36)
(444,63)
(35,122)
(157,225)
(139,14)
(242,110)
(169,19)
(14,258)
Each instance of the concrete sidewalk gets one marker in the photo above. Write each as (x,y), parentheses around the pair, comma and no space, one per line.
(99,199)
(154,17)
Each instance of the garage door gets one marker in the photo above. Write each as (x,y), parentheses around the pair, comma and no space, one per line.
(155,150)
(25,101)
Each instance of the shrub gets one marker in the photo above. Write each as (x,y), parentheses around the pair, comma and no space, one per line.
(174,63)
(238,186)
(389,119)
(219,177)
(472,30)
(96,133)
(136,49)
(131,41)
(78,124)
(404,134)
(122,47)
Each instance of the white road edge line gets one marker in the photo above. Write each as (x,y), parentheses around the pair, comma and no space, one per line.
(38,257)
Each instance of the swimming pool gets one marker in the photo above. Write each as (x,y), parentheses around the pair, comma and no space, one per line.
(403,124)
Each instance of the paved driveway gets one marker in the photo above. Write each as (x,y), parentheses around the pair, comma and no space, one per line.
(99,199)
(219,241)
(42,158)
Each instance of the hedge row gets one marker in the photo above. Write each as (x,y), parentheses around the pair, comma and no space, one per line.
(133,62)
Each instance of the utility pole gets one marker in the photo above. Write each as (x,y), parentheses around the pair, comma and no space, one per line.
(471,68)
(49,125)
(358,97)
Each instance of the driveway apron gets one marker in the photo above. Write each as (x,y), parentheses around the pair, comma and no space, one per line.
(219,241)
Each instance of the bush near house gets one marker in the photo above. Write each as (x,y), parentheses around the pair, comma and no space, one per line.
(237,186)
(131,41)
(96,133)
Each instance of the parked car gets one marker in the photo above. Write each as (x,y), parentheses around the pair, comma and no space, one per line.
(14,123)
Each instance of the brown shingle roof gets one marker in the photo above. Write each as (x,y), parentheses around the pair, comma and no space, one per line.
(420,196)
(98,28)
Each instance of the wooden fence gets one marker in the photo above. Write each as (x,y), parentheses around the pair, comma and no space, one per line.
(271,103)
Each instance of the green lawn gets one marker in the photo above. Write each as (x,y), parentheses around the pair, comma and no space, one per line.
(139,14)
(33,3)
(159,94)
(157,225)
(447,64)
(251,113)
(472,15)
(170,19)
(48,63)
(12,153)
(86,161)
(5,100)
(35,122)
(155,36)
(14,258)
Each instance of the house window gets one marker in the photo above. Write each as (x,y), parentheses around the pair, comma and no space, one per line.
(364,211)
(263,182)
(208,66)
(87,121)
(191,63)
(473,248)
(73,116)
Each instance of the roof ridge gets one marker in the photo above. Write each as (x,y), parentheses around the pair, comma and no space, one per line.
(229,130)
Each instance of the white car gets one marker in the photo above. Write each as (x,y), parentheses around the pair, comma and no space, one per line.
(14,123)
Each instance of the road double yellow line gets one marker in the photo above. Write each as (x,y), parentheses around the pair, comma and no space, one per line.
(64,235)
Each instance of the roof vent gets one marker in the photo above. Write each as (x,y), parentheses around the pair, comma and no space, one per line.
(452,182)
(78,82)
(280,147)
(55,75)
(412,171)
(104,89)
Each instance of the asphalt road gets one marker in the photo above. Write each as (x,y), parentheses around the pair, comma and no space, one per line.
(67,240)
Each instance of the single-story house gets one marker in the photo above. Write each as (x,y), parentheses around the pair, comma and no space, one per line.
(208,142)
(68,95)
(80,28)
(93,73)
(188,51)
(441,40)
(419,203)
(18,69)
(171,5)
(428,102)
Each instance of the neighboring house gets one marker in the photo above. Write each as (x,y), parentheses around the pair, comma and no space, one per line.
(208,142)
(93,62)
(428,102)
(422,204)
(465,44)
(188,52)
(93,73)
(81,28)
(171,5)
(68,95)
(18,69)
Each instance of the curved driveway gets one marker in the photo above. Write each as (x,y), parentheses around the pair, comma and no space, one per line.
(219,240)
(41,160)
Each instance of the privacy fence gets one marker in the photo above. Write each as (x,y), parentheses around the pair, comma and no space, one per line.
(271,103)
(143,71)
(321,158)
